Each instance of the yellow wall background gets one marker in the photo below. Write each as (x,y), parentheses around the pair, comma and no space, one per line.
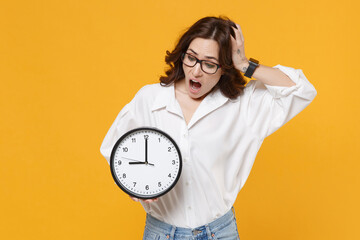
(68,67)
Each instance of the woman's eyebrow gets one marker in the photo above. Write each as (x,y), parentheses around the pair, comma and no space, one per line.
(209,57)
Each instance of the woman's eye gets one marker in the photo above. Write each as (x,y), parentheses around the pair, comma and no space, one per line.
(210,65)
(191,58)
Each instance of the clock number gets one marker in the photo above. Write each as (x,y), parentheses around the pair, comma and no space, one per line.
(159,139)
(159,184)
(169,149)
(147,187)
(133,140)
(125,149)
(146,136)
(124,175)
(119,162)
(173,162)
(134,184)
(169,175)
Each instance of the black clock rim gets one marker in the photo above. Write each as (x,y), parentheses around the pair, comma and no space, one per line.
(113,170)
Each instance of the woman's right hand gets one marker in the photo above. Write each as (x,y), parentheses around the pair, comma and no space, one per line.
(146,200)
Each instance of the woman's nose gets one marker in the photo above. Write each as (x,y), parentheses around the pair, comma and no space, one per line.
(197,69)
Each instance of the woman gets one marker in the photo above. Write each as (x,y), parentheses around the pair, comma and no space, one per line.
(218,123)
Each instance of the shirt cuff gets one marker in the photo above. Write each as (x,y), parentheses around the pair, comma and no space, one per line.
(282,91)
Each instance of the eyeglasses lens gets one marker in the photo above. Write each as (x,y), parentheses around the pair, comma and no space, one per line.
(206,66)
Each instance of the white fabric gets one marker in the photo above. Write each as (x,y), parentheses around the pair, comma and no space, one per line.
(218,146)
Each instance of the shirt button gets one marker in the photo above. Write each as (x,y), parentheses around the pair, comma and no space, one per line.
(187,183)
(185,135)
(185,159)
(189,207)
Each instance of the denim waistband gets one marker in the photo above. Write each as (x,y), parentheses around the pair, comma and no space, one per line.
(210,227)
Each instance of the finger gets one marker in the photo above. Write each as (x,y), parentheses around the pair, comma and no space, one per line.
(135,199)
(234,43)
(151,200)
(238,34)
(241,34)
(237,37)
(237,47)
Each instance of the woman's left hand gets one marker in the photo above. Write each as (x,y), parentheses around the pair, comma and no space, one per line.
(238,51)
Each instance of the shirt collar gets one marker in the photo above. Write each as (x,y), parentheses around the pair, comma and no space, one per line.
(211,102)
(166,98)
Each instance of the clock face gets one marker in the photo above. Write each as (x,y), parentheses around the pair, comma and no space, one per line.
(145,163)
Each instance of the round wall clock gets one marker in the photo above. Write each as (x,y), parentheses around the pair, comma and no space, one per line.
(145,163)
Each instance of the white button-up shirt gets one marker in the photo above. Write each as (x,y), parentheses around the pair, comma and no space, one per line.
(218,146)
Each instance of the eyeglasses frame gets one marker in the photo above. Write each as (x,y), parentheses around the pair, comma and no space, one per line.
(199,61)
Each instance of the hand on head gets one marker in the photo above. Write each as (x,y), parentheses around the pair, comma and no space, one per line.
(238,49)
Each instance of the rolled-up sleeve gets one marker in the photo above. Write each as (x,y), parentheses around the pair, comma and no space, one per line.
(123,123)
(269,107)
(130,117)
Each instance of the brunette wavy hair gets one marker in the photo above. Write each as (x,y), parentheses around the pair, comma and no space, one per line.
(231,83)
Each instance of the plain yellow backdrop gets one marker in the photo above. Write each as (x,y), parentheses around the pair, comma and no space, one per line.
(68,67)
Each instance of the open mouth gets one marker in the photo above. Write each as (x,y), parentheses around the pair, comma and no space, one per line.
(195,85)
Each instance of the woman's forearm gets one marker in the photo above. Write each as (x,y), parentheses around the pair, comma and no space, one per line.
(269,75)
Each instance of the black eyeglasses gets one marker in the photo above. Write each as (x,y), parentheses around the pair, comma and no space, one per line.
(206,66)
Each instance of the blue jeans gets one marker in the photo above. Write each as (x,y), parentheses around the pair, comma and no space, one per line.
(223,228)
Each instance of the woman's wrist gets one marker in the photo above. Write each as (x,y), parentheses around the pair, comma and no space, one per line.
(243,66)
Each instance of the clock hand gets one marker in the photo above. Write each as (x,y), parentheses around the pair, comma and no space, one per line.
(146,144)
(142,163)
(137,161)
(132,159)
